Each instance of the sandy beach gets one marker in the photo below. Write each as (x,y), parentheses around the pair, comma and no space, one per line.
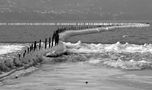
(67,76)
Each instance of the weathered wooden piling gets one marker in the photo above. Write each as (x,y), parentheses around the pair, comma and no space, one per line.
(45,43)
(49,42)
(40,44)
(31,47)
(28,50)
(52,40)
(19,56)
(35,45)
(24,53)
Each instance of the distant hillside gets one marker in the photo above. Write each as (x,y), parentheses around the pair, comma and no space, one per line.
(75,9)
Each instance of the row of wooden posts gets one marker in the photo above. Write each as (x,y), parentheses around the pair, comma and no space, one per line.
(36,45)
(19,61)
(48,41)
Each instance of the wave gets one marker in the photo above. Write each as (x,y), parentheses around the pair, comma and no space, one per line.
(100,48)
(7,48)
(125,56)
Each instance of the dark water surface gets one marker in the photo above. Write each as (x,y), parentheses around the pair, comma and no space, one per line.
(29,33)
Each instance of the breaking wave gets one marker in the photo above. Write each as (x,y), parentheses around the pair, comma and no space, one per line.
(125,56)
(8,50)
(4,49)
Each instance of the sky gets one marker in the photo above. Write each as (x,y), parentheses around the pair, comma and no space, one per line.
(113,8)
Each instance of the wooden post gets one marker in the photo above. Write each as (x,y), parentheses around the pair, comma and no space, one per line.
(19,56)
(28,50)
(45,43)
(25,51)
(52,40)
(23,54)
(49,42)
(35,45)
(40,44)
(31,47)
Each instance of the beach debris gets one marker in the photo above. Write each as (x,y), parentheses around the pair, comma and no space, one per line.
(86,82)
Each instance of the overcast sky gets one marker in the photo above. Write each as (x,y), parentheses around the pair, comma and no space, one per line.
(116,7)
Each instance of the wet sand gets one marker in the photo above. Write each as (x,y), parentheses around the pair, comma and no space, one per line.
(73,76)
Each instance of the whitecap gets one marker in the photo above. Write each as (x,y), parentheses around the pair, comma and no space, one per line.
(125,56)
(94,61)
(9,48)
(100,48)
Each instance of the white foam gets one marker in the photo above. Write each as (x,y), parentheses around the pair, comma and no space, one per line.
(101,48)
(6,48)
(94,61)
(135,61)
(129,65)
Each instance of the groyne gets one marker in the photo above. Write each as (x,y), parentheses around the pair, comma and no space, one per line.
(100,28)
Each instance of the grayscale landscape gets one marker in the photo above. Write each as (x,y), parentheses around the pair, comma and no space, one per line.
(75,44)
